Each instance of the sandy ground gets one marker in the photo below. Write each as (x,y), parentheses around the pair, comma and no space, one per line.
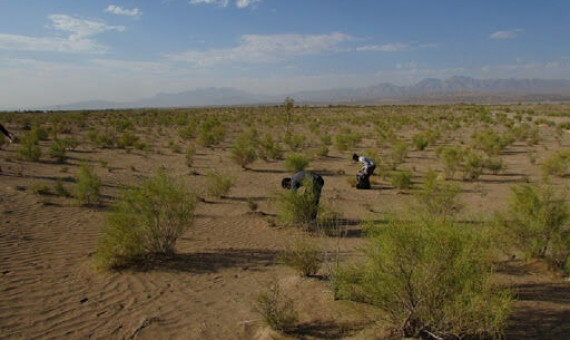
(50,290)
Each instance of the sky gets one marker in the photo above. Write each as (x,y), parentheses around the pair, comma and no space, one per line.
(55,52)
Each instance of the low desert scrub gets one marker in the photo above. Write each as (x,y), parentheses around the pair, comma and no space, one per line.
(211,132)
(296,162)
(472,166)
(277,310)
(146,220)
(491,142)
(430,278)
(295,142)
(189,156)
(557,164)
(399,153)
(494,164)
(322,151)
(401,179)
(347,139)
(218,184)
(270,149)
(303,255)
(57,150)
(243,151)
(297,208)
(537,221)
(438,197)
(30,149)
(452,156)
(88,186)
(419,141)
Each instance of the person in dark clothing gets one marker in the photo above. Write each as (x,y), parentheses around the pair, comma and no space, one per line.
(363,175)
(309,179)
(6,133)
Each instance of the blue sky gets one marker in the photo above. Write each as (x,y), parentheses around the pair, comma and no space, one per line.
(63,51)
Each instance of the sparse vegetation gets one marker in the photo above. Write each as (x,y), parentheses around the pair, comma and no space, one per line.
(88,186)
(146,220)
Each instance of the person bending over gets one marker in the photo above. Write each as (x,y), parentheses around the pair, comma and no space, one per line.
(306,178)
(6,133)
(363,175)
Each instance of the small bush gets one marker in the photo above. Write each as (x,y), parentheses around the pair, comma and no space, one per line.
(297,208)
(401,179)
(399,152)
(30,149)
(557,164)
(146,220)
(452,157)
(211,132)
(277,311)
(322,151)
(472,166)
(537,220)
(494,164)
(302,255)
(438,197)
(218,184)
(419,141)
(60,190)
(270,149)
(88,186)
(243,151)
(57,151)
(189,156)
(127,140)
(296,162)
(431,278)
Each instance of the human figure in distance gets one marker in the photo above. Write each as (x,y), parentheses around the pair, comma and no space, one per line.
(363,175)
(310,180)
(7,134)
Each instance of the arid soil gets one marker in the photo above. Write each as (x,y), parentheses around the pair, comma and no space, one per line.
(49,288)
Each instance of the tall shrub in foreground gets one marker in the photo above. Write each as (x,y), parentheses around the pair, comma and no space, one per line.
(430,278)
(146,220)
(88,186)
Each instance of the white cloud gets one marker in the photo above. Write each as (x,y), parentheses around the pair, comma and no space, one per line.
(221,3)
(391,47)
(132,66)
(246,3)
(502,35)
(77,41)
(118,10)
(266,48)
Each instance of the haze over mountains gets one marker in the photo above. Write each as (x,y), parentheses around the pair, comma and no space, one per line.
(429,90)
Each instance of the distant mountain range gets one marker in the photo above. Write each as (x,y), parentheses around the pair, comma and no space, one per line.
(427,91)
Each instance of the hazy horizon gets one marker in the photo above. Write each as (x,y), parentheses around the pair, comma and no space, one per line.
(58,52)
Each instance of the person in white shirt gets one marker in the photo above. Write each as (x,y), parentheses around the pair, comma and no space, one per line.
(363,175)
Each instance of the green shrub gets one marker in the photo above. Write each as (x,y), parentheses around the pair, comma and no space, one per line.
(472,166)
(431,278)
(322,151)
(270,149)
(57,150)
(146,220)
(218,184)
(297,208)
(347,139)
(401,179)
(127,140)
(302,255)
(277,311)
(30,149)
(296,162)
(437,196)
(244,149)
(419,141)
(189,156)
(295,142)
(490,142)
(452,157)
(494,164)
(88,186)
(399,152)
(537,220)
(326,139)
(39,133)
(211,132)
(60,190)
(557,163)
